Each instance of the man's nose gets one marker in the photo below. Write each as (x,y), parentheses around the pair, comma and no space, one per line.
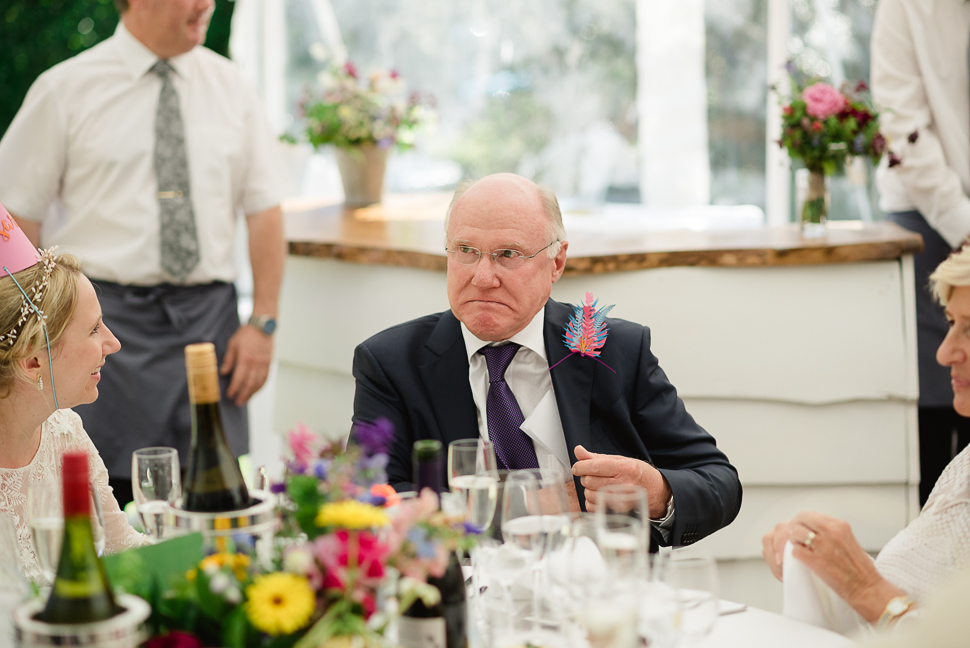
(485,276)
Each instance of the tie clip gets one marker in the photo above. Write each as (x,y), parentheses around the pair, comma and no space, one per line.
(168,195)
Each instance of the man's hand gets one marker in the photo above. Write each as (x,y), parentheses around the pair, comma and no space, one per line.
(247,357)
(599,470)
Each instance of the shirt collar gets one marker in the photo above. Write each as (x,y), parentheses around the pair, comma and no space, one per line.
(138,59)
(531,337)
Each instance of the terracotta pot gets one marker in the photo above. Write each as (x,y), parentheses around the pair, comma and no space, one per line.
(362,173)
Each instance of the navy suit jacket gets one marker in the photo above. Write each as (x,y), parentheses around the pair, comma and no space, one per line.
(416,375)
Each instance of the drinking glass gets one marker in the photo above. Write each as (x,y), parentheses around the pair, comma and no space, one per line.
(522,524)
(13,585)
(627,500)
(473,475)
(45,516)
(601,597)
(693,577)
(620,542)
(156,483)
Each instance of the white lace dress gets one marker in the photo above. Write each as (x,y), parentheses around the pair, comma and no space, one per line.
(936,545)
(62,431)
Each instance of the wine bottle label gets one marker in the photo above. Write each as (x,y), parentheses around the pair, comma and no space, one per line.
(421,633)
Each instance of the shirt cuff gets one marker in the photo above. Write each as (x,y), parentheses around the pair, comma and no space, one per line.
(665,524)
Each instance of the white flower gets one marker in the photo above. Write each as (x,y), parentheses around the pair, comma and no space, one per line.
(219,582)
(233,595)
(298,561)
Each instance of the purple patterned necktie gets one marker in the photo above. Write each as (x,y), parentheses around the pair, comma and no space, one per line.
(513,447)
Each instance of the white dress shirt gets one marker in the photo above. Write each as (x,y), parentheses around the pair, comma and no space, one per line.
(84,141)
(920,81)
(528,378)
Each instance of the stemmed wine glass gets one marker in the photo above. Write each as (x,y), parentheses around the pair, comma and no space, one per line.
(473,474)
(156,484)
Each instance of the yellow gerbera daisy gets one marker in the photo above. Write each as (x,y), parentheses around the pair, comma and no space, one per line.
(279,603)
(238,563)
(351,514)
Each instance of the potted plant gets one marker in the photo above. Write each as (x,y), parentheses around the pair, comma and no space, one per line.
(363,119)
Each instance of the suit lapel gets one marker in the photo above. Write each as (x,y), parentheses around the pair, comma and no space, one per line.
(572,379)
(444,371)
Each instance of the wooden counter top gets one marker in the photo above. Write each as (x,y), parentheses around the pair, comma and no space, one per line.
(407,230)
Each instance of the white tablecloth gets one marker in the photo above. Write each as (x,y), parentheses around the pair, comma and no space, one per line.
(754,628)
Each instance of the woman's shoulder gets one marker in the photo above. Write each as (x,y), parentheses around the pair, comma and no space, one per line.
(954,481)
(64,423)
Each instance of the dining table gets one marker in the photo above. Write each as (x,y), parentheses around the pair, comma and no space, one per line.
(750,627)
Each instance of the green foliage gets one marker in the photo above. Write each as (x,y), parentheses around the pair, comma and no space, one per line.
(35,35)
(520,121)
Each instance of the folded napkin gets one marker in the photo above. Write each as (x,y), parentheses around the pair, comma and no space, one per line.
(810,600)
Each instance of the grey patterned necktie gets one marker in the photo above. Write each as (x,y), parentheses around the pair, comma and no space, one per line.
(179,241)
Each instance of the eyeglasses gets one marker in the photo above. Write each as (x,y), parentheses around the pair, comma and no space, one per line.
(509,259)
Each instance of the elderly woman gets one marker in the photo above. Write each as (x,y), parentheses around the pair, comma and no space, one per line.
(936,545)
(43,373)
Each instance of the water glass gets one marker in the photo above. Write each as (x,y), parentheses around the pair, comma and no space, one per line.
(156,483)
(693,577)
(473,475)
(628,500)
(13,586)
(45,517)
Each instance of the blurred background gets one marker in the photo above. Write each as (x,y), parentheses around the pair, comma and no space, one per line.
(666,104)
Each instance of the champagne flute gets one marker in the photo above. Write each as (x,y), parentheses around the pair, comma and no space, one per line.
(45,516)
(522,526)
(693,577)
(473,474)
(156,485)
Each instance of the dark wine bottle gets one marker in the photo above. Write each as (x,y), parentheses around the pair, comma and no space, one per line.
(213,481)
(81,591)
(428,464)
(443,625)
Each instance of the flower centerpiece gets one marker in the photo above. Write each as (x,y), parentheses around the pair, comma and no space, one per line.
(823,127)
(346,542)
(363,119)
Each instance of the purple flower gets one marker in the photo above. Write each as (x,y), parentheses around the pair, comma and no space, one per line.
(473,529)
(375,438)
(385,142)
(277,488)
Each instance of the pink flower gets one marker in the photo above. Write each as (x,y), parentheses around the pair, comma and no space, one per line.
(822,100)
(304,444)
(174,639)
(351,69)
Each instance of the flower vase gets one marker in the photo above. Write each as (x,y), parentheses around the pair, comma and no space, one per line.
(815,210)
(362,173)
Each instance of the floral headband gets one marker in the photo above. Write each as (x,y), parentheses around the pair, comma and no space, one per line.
(29,302)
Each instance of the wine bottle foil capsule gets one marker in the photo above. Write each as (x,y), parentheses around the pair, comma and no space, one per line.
(124,630)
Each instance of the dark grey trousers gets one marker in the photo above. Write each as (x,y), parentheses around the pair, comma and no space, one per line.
(144,398)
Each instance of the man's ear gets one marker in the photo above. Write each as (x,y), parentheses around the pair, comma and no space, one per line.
(559,263)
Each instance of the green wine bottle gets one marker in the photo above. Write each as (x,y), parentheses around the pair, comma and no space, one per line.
(213,481)
(81,592)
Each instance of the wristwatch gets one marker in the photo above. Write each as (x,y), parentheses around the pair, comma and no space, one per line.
(895,608)
(265,323)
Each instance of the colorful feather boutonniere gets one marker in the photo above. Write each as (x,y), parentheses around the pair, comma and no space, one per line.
(586,331)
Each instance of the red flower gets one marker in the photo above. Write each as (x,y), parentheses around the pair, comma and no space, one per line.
(817,127)
(174,639)
(879,144)
(861,86)
(787,110)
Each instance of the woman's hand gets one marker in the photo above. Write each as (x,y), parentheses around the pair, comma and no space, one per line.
(828,547)
(773,547)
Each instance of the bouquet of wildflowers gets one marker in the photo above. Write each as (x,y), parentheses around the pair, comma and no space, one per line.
(346,541)
(350,111)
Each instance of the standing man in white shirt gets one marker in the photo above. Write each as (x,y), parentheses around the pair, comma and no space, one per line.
(920,82)
(138,155)
(495,366)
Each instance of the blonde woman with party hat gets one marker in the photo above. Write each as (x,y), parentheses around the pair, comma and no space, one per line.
(53,346)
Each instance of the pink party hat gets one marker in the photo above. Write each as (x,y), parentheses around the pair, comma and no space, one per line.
(16,251)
